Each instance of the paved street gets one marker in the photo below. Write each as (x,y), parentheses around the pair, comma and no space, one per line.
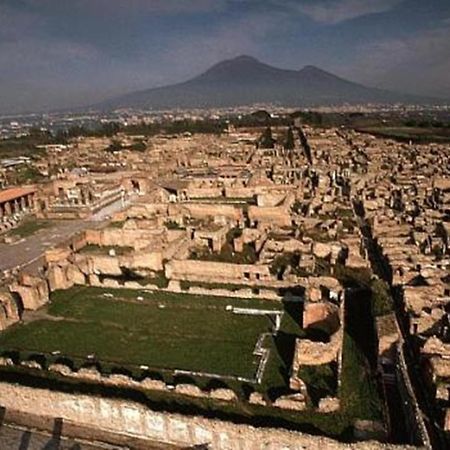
(28,250)
(31,248)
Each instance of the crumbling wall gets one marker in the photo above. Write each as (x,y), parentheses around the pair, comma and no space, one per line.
(216,271)
(269,215)
(9,310)
(321,315)
(32,290)
(134,419)
(205,210)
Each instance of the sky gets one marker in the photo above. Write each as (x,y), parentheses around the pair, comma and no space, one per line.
(67,53)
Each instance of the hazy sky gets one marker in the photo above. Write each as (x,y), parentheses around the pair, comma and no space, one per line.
(58,53)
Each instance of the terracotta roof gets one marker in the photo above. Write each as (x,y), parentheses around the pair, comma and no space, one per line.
(11,194)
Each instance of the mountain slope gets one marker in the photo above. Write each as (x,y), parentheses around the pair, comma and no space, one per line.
(245,80)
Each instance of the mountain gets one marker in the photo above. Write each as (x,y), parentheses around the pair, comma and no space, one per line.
(245,81)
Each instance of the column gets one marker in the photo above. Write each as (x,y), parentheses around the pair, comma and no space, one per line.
(1,211)
(8,210)
(31,202)
(16,206)
(23,204)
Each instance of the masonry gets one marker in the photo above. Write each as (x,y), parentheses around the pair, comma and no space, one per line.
(15,201)
(133,419)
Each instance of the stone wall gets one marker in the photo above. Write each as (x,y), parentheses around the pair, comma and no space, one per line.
(216,271)
(135,238)
(269,215)
(133,419)
(205,210)
(321,315)
(32,290)
(9,310)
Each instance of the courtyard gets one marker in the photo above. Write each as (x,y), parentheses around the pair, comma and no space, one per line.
(162,331)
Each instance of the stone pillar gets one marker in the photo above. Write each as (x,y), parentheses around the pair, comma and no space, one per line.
(31,202)
(16,206)
(8,209)
(23,203)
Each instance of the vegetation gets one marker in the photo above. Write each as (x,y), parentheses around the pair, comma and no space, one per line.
(108,129)
(172,225)
(382,301)
(358,390)
(290,142)
(105,249)
(282,262)
(185,285)
(163,332)
(114,147)
(29,227)
(227,253)
(321,381)
(139,146)
(266,140)
(275,381)
(206,126)
(168,329)
(25,145)
(24,174)
(353,277)
(332,425)
(381,298)
(417,135)
(116,224)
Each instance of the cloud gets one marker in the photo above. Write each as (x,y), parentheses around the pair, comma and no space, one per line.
(15,24)
(418,63)
(129,7)
(336,11)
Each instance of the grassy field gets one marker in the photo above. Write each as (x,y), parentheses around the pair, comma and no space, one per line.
(195,333)
(29,227)
(163,331)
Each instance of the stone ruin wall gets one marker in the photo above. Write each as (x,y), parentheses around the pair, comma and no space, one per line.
(210,270)
(202,211)
(133,419)
(202,192)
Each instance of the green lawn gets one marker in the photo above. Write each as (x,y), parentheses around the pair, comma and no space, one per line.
(29,227)
(163,332)
(194,333)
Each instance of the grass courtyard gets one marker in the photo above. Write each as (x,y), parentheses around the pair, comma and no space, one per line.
(161,331)
(29,227)
(174,330)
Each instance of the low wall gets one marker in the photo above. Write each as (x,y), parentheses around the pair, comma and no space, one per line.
(133,419)
(197,270)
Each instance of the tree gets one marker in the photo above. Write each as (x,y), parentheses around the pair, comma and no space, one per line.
(266,140)
(290,142)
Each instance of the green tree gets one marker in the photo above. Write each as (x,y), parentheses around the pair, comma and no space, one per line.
(290,142)
(266,140)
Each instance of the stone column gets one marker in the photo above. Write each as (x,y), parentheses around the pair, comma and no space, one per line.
(16,206)
(23,203)
(31,202)
(8,209)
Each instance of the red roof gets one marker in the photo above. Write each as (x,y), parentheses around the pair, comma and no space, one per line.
(11,194)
